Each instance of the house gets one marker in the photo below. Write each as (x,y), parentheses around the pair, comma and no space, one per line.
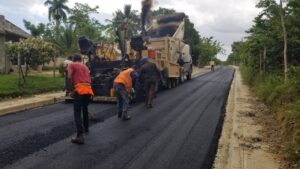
(8,32)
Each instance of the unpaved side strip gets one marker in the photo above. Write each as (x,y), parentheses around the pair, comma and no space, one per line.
(21,104)
(241,145)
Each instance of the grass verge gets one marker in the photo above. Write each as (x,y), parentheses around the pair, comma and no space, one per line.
(35,84)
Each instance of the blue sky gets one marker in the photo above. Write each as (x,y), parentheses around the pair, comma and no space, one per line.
(225,20)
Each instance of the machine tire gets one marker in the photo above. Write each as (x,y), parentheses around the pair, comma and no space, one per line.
(173,83)
(176,82)
(169,84)
(189,75)
(181,78)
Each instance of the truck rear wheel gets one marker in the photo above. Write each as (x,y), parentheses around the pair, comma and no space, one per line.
(169,84)
(189,76)
(181,78)
(174,83)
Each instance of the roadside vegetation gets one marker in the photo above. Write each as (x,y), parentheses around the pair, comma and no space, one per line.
(270,63)
(37,83)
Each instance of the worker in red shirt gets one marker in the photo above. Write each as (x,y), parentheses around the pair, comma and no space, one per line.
(79,78)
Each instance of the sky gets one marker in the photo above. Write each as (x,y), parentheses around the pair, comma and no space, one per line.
(225,20)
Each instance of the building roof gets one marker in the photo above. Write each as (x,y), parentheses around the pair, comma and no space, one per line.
(6,27)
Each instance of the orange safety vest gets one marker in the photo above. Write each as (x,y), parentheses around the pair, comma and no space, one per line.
(125,79)
(84,88)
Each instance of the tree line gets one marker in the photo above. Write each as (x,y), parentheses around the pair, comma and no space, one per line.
(66,25)
(273,41)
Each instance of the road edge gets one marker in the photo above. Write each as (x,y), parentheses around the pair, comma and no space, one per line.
(29,106)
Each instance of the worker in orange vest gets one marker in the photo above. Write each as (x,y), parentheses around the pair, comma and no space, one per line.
(123,84)
(79,77)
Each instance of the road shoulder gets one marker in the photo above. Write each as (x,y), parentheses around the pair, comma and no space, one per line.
(242,144)
(21,104)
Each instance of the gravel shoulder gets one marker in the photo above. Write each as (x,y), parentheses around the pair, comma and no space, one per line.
(242,144)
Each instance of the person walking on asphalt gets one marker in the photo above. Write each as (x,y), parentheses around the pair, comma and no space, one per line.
(123,84)
(212,65)
(79,77)
(149,76)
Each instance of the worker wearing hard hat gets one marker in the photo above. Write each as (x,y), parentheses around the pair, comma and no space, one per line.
(123,84)
(149,76)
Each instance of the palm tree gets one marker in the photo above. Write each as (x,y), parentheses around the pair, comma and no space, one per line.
(127,18)
(57,11)
(67,40)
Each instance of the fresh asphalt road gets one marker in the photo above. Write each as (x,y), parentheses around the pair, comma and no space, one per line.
(180,132)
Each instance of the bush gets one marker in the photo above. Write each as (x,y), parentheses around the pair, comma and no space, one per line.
(248,74)
(61,69)
(269,87)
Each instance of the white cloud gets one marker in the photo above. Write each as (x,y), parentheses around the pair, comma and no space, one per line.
(39,9)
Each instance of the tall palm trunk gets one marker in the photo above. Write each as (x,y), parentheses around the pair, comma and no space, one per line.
(56,36)
(281,14)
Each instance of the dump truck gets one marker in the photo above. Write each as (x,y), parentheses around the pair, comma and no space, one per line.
(163,44)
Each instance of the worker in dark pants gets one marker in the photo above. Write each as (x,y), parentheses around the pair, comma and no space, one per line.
(79,77)
(123,84)
(149,76)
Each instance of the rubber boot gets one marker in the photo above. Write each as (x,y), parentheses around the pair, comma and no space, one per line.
(78,139)
(119,114)
(149,106)
(125,116)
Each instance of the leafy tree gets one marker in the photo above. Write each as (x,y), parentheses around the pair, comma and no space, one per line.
(274,11)
(35,30)
(67,40)
(192,37)
(33,51)
(208,50)
(84,24)
(264,47)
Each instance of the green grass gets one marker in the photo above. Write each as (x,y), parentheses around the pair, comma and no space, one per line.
(34,84)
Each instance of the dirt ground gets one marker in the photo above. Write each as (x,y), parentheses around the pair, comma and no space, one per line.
(246,142)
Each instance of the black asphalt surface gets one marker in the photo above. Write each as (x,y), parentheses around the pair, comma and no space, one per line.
(180,132)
